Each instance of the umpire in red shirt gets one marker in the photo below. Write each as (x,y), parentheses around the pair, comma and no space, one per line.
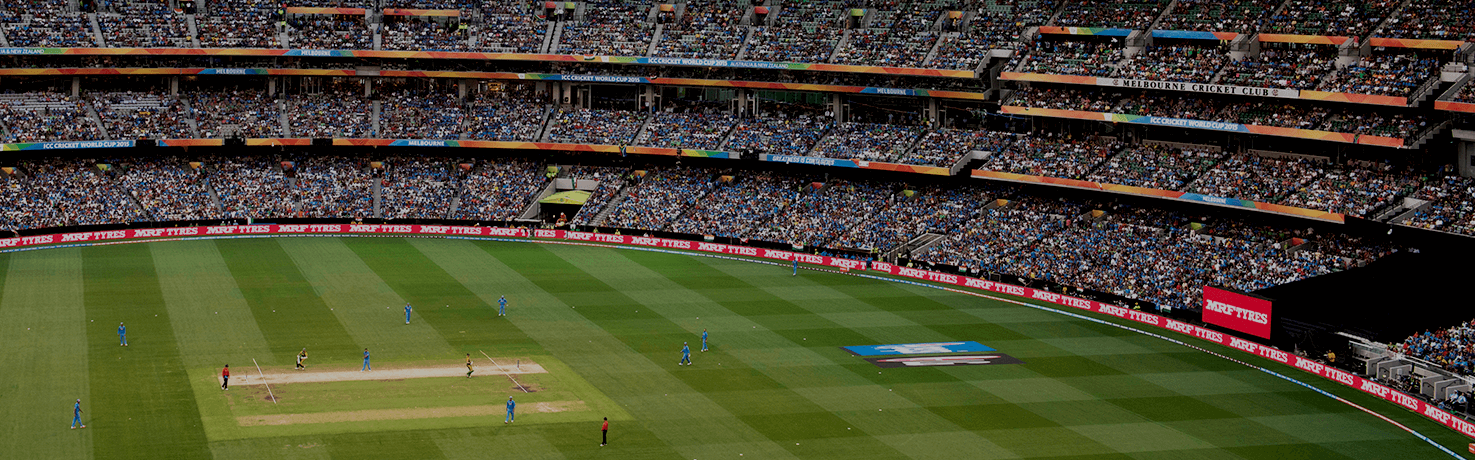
(604,433)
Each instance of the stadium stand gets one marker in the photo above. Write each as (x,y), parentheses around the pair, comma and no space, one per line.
(705,31)
(656,199)
(1120,14)
(802,32)
(1430,20)
(418,187)
(1238,16)
(595,126)
(335,186)
(139,115)
(84,192)
(46,23)
(169,189)
(1329,17)
(609,27)
(46,116)
(250,114)
(494,191)
(330,114)
(238,24)
(144,25)
(412,114)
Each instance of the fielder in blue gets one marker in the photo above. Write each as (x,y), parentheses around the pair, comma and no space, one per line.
(685,355)
(366,361)
(502,310)
(704,339)
(122,335)
(77,415)
(796,268)
(510,405)
(407,313)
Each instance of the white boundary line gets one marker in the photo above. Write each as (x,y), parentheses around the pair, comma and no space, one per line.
(263,381)
(504,371)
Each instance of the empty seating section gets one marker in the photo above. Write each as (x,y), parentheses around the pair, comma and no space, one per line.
(705,31)
(609,27)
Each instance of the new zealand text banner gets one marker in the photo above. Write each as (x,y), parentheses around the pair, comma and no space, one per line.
(1366,386)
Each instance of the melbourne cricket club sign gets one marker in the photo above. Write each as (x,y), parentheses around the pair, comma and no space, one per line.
(1203,88)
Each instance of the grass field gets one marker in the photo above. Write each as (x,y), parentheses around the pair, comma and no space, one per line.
(607,326)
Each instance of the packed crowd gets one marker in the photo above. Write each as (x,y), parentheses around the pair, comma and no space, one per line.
(595,126)
(611,181)
(610,27)
(820,215)
(1392,74)
(1065,99)
(499,190)
(1431,20)
(1467,94)
(1119,14)
(1354,190)
(418,187)
(238,24)
(253,187)
(1347,18)
(512,34)
(1453,348)
(50,23)
(1156,166)
(659,197)
(733,206)
(23,207)
(1294,68)
(409,114)
(1449,208)
(1094,59)
(1181,63)
(705,32)
(330,32)
(512,115)
(1239,16)
(169,189)
(144,25)
(785,131)
(250,114)
(46,116)
(867,141)
(995,25)
(330,115)
(695,129)
(1255,178)
(895,38)
(335,187)
(802,32)
(916,213)
(140,115)
(945,147)
(1051,156)
(84,192)
(415,35)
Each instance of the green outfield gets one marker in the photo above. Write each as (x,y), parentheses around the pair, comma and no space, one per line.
(598,333)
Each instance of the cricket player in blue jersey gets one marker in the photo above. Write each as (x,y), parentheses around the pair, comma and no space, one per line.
(685,355)
(407,313)
(122,335)
(704,339)
(502,310)
(366,361)
(796,267)
(77,415)
(510,405)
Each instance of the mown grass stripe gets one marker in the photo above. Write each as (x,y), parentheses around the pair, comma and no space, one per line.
(42,304)
(143,404)
(287,310)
